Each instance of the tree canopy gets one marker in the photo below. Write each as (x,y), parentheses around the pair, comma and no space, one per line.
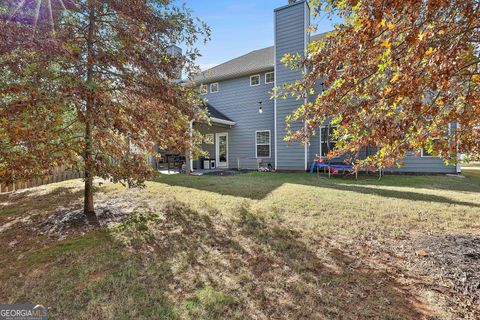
(92,84)
(397,75)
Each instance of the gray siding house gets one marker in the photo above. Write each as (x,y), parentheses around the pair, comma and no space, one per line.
(248,127)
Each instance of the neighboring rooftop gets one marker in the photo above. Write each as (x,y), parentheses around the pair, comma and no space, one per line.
(256,61)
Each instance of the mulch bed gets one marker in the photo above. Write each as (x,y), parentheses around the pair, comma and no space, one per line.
(445,263)
(456,260)
(67,220)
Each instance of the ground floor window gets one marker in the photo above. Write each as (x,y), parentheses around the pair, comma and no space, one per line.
(426,152)
(208,139)
(449,131)
(262,144)
(327,142)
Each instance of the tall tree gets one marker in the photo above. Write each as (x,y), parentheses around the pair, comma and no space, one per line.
(92,83)
(410,68)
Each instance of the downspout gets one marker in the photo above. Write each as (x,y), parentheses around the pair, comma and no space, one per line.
(320,139)
(457,147)
(275,85)
(306,17)
(191,145)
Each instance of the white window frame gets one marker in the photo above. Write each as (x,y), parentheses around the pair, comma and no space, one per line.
(217,150)
(218,87)
(204,86)
(320,138)
(269,144)
(259,80)
(266,77)
(425,156)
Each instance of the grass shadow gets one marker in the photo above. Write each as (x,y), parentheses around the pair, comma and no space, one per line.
(25,201)
(184,264)
(334,286)
(257,186)
(272,272)
(403,195)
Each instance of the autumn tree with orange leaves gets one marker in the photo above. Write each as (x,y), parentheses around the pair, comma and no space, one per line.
(410,80)
(91,84)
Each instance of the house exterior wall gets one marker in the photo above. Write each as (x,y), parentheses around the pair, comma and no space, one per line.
(206,129)
(417,164)
(410,164)
(314,146)
(240,102)
(209,148)
(290,37)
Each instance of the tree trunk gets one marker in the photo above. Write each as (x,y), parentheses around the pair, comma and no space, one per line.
(188,169)
(89,209)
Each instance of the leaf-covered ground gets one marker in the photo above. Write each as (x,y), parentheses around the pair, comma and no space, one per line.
(247,246)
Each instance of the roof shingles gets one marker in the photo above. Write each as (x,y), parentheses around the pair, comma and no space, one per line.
(255,61)
(214,113)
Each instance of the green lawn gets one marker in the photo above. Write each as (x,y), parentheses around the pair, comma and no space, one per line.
(246,246)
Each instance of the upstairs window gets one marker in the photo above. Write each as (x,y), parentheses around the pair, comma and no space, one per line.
(269,77)
(262,144)
(254,80)
(203,89)
(214,87)
(327,143)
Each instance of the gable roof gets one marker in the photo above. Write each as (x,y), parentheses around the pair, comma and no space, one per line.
(256,61)
(214,113)
(217,116)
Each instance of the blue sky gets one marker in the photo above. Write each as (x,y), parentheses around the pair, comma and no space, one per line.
(238,27)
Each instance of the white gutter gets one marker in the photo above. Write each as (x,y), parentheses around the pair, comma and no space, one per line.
(205,78)
(222,121)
